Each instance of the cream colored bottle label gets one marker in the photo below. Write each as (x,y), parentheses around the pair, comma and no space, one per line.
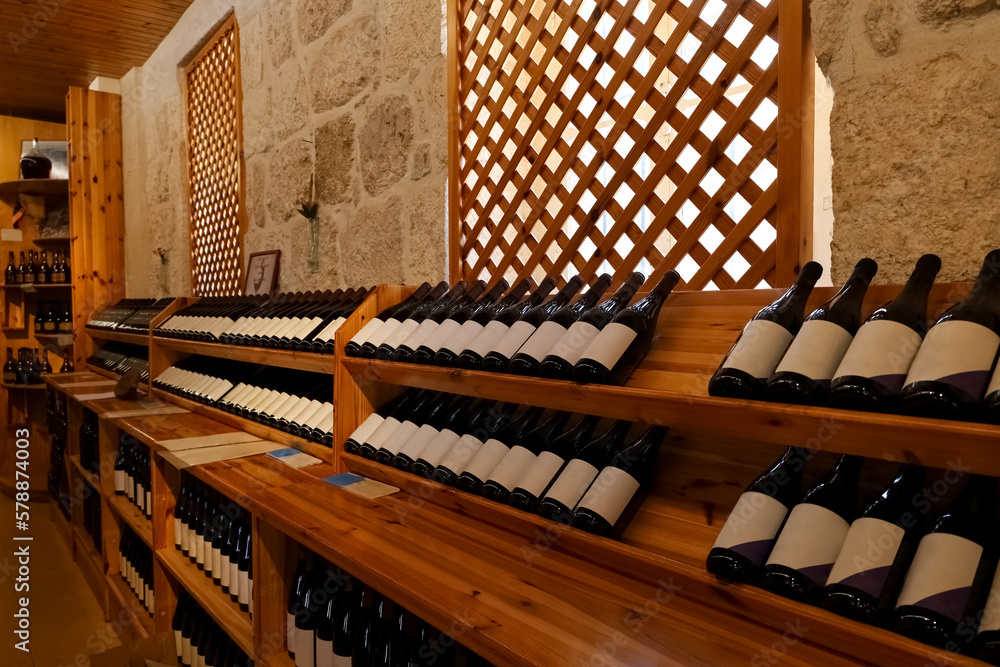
(487,338)
(362,336)
(610,493)
(460,455)
(468,333)
(439,447)
(542,340)
(810,541)
(512,341)
(759,349)
(867,555)
(367,427)
(610,345)
(817,350)
(442,335)
(941,575)
(991,611)
(416,445)
(399,437)
(576,340)
(958,353)
(572,483)
(324,653)
(384,331)
(537,477)
(882,350)
(382,433)
(417,337)
(513,466)
(401,333)
(486,459)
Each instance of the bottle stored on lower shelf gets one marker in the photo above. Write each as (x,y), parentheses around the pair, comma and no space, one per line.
(296,402)
(199,640)
(89,443)
(133,474)
(521,455)
(214,533)
(120,358)
(128,315)
(334,620)
(135,566)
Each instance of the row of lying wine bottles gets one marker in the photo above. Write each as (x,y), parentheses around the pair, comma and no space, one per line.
(291,321)
(533,459)
(90,457)
(133,474)
(891,361)
(521,333)
(128,315)
(894,563)
(200,641)
(334,620)
(135,565)
(120,358)
(297,402)
(29,366)
(214,533)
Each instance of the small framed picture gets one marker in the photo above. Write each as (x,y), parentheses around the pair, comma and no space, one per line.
(262,272)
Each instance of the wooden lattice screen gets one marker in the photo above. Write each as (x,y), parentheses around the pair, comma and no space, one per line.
(629,135)
(215,164)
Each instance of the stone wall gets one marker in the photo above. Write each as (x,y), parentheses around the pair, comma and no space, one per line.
(915,131)
(351,91)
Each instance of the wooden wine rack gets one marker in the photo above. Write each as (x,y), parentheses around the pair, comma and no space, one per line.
(515,587)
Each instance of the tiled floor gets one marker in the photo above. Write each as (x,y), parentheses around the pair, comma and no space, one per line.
(67,623)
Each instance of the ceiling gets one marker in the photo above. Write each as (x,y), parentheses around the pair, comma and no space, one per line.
(49,45)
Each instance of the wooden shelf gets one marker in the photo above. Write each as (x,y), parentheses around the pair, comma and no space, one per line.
(258,429)
(52,239)
(131,515)
(118,336)
(126,598)
(37,187)
(91,563)
(303,361)
(929,442)
(63,340)
(217,603)
(103,373)
(23,387)
(91,478)
(35,286)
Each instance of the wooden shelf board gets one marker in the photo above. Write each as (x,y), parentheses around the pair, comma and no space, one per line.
(52,239)
(37,286)
(260,430)
(58,380)
(118,336)
(24,387)
(928,442)
(91,478)
(304,361)
(131,515)
(91,564)
(102,372)
(37,187)
(57,339)
(218,604)
(142,621)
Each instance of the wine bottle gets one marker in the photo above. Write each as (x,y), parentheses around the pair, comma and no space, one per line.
(814,532)
(28,278)
(869,571)
(449,353)
(521,457)
(10,275)
(496,449)
(764,340)
(345,622)
(951,373)
(986,646)
(473,356)
(536,479)
(506,312)
(804,374)
(429,315)
(385,647)
(379,335)
(44,275)
(949,579)
(361,651)
(872,372)
(22,268)
(465,415)
(297,592)
(408,427)
(453,324)
(558,363)
(309,611)
(480,427)
(515,333)
(444,415)
(623,343)
(353,346)
(374,420)
(245,548)
(410,404)
(10,368)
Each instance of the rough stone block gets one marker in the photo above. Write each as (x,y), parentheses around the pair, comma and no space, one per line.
(288,184)
(373,240)
(335,160)
(346,65)
(315,17)
(384,143)
(279,32)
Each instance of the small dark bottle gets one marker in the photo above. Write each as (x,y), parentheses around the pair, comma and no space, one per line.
(877,552)
(549,462)
(764,340)
(10,275)
(622,344)
(521,457)
(804,374)
(10,368)
(813,534)
(949,579)
(34,164)
(614,496)
(872,372)
(558,363)
(22,268)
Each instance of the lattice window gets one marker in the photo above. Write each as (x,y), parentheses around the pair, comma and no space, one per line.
(625,135)
(215,163)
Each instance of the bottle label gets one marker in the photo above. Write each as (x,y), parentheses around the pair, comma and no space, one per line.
(382,433)
(404,331)
(960,354)
(576,340)
(817,350)
(216,559)
(366,331)
(439,447)
(572,483)
(513,467)
(442,334)
(468,333)
(244,595)
(487,338)
(752,526)
(342,661)
(759,349)
(486,459)
(883,351)
(610,494)
(119,480)
(546,466)
(330,331)
(383,332)
(234,581)
(991,612)
(941,575)
(810,541)
(867,555)
(224,573)
(461,454)
(49,326)
(512,341)
(399,437)
(305,648)
(177,520)
(10,377)
(419,334)
(416,445)
(324,653)
(610,345)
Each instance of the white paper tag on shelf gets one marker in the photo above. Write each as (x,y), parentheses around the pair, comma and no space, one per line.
(294,457)
(95,397)
(14,235)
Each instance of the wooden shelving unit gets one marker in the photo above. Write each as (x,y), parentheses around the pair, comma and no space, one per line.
(118,336)
(126,599)
(23,387)
(303,361)
(11,191)
(131,515)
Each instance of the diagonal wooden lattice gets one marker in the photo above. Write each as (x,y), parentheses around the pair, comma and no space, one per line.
(624,135)
(215,141)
